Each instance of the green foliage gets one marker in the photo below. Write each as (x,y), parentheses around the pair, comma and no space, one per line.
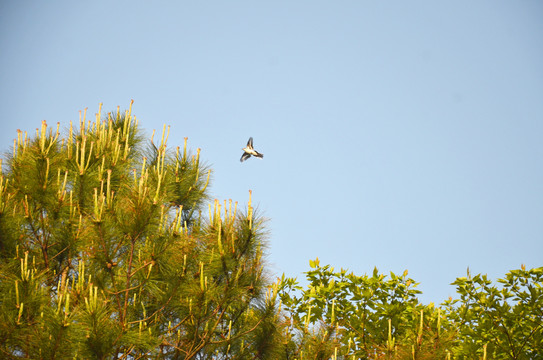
(105,253)
(507,321)
(358,317)
(339,315)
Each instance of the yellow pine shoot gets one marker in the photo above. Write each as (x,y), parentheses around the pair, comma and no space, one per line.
(116,148)
(155,199)
(159,167)
(17,292)
(209,211)
(164,140)
(102,166)
(25,273)
(217,214)
(81,155)
(126,128)
(91,302)
(53,138)
(98,131)
(62,190)
(81,277)
(20,144)
(202,276)
(109,135)
(42,136)
(419,337)
(185,148)
(67,306)
(153,137)
(99,114)
(150,268)
(83,121)
(4,195)
(135,177)
(177,221)
(59,304)
(142,172)
(72,207)
(177,163)
(118,114)
(207,181)
(20,313)
(230,210)
(250,211)
(333,311)
(196,160)
(46,173)
(229,329)
(308,317)
(83,163)
(69,143)
(130,108)
(26,206)
(390,340)
(99,202)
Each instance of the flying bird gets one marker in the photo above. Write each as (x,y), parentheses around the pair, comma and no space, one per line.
(249,150)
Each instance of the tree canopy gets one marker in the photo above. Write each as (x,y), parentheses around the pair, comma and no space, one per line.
(108,251)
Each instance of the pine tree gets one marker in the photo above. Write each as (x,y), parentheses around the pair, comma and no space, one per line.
(107,251)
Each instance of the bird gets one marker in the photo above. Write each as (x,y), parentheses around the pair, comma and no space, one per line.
(249,150)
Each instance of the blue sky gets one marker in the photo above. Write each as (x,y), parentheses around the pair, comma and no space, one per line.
(401,135)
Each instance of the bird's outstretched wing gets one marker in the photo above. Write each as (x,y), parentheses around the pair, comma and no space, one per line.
(244,157)
(250,143)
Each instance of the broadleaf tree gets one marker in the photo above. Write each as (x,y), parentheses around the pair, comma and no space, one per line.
(341,315)
(110,249)
(499,322)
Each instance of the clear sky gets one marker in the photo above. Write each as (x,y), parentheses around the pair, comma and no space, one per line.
(397,134)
